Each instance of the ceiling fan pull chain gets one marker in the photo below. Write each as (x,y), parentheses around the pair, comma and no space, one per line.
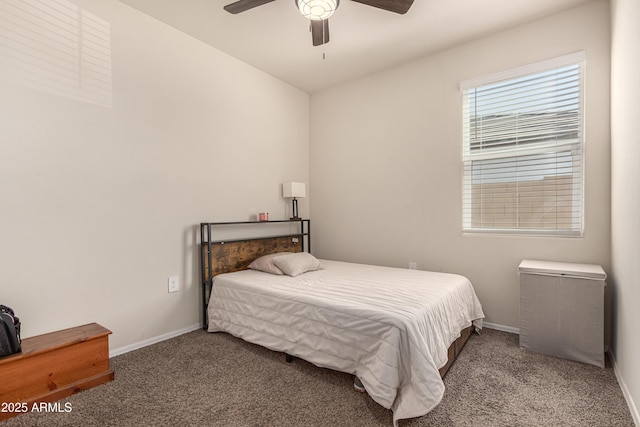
(324,35)
(323,52)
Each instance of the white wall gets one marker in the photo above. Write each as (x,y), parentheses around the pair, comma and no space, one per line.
(625,196)
(386,161)
(99,204)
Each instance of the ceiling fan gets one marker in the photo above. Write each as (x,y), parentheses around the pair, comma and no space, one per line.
(319,11)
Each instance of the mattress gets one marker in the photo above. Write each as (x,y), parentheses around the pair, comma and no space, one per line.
(390,327)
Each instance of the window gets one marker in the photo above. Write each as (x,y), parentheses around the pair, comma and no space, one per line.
(522,149)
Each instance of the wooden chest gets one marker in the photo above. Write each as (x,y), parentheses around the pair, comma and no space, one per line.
(53,366)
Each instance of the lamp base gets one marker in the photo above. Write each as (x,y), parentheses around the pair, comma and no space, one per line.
(294,210)
(295,218)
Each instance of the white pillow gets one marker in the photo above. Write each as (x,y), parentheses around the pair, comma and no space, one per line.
(265,263)
(296,264)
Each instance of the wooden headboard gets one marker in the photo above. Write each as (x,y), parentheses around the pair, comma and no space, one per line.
(236,255)
(226,256)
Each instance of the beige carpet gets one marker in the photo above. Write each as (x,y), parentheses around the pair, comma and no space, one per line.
(203,379)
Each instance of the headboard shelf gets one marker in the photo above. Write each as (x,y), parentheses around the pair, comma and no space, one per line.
(235,254)
(222,242)
(254,222)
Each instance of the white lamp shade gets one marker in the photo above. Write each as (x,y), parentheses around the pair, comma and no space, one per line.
(317,9)
(293,189)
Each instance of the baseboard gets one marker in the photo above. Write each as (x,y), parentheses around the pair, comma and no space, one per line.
(500,327)
(625,392)
(149,341)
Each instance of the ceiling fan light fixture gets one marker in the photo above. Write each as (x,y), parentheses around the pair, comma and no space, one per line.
(317,10)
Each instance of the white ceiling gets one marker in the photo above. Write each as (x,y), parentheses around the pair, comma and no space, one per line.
(275,38)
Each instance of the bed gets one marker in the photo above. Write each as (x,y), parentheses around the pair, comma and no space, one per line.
(397,330)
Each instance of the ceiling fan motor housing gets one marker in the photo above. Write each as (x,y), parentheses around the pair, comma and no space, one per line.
(317,10)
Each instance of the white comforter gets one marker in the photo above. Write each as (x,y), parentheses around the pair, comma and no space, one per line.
(391,327)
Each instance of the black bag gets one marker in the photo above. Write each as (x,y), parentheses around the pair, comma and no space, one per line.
(10,342)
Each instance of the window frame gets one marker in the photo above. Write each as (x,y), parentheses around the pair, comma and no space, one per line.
(578,190)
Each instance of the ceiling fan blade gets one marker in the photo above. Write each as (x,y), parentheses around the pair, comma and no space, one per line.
(397,6)
(244,5)
(320,32)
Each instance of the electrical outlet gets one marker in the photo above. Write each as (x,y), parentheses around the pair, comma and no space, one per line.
(174,284)
(413,266)
(294,240)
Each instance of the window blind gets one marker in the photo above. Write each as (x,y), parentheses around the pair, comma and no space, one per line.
(523,151)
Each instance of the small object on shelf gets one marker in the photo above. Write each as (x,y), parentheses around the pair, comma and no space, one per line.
(263,216)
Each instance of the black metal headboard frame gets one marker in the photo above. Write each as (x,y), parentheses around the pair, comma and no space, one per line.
(299,241)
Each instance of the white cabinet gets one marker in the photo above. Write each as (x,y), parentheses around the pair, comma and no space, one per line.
(562,310)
